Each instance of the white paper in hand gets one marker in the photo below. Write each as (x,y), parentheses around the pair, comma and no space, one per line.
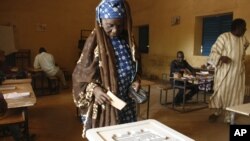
(115,101)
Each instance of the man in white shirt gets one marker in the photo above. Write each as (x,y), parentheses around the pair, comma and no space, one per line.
(46,62)
(228,56)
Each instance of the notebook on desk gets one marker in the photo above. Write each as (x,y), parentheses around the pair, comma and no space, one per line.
(14,95)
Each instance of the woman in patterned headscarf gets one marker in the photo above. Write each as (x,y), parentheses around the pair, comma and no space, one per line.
(107,63)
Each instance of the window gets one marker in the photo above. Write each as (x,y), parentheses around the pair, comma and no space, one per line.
(207,30)
(212,27)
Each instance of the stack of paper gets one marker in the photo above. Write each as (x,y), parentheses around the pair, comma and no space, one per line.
(15,95)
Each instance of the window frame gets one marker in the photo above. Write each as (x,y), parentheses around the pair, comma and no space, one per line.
(201,38)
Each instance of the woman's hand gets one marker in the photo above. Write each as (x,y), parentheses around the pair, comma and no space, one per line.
(225,59)
(100,96)
(136,85)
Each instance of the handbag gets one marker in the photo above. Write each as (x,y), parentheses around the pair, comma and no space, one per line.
(139,96)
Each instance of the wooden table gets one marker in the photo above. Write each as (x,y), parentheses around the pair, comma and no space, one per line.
(23,101)
(16,81)
(21,85)
(193,80)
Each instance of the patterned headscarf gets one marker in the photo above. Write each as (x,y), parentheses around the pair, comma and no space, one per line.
(110,9)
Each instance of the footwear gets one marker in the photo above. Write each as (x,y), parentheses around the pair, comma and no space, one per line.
(213,118)
(227,119)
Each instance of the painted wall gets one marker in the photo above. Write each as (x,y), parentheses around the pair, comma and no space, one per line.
(53,24)
(166,40)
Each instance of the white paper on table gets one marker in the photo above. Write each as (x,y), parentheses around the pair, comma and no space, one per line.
(115,101)
(14,95)
(204,72)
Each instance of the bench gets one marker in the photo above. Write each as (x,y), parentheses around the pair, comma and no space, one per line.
(54,84)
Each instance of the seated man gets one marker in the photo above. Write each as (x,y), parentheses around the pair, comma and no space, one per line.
(181,66)
(46,62)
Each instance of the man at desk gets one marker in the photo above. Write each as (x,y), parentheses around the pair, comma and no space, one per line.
(181,66)
(46,62)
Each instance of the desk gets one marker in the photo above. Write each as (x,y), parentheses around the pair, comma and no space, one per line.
(194,80)
(148,84)
(16,81)
(23,102)
(21,85)
(137,131)
(243,109)
(38,74)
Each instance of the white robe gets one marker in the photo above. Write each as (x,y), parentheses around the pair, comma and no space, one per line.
(229,79)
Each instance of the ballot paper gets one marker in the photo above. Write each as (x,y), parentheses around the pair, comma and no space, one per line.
(115,101)
(14,95)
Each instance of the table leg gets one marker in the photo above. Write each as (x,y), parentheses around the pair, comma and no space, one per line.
(232,114)
(138,110)
(184,96)
(26,124)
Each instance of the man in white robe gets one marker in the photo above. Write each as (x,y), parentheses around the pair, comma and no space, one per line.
(227,55)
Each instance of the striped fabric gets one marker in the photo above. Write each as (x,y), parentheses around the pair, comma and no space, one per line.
(229,79)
